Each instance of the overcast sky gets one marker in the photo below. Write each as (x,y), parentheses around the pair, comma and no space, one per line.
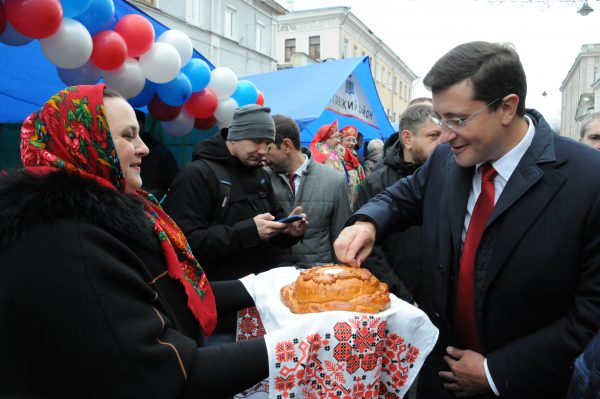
(548,35)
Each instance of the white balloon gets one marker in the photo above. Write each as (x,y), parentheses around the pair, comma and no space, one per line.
(223,82)
(180,41)
(224,112)
(70,47)
(181,125)
(161,63)
(128,79)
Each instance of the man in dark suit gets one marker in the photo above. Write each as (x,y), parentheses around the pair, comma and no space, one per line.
(511,227)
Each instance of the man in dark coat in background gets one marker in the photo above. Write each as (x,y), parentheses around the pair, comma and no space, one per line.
(398,259)
(231,232)
(159,167)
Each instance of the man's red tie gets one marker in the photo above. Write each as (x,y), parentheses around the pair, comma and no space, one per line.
(465,322)
(292,179)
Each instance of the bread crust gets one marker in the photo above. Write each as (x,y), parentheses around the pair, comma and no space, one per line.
(336,287)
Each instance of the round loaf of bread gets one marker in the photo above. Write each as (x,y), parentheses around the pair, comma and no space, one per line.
(336,287)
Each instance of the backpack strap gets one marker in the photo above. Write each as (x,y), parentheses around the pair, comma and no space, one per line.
(224,188)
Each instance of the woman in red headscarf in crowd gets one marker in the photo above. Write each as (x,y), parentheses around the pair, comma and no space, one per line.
(325,147)
(356,173)
(100,295)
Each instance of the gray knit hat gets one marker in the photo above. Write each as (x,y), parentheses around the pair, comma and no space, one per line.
(252,122)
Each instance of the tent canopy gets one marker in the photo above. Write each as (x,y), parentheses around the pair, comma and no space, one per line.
(318,94)
(28,79)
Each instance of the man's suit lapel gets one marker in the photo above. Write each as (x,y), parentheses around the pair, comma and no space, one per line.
(458,187)
(531,186)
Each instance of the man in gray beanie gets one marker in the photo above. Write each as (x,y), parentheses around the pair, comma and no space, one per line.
(224,202)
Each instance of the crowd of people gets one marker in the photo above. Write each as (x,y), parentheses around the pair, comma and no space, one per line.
(475,211)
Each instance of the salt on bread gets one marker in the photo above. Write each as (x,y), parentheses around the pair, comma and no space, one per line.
(336,287)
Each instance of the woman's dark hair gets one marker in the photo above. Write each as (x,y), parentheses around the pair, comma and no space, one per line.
(111,93)
(494,69)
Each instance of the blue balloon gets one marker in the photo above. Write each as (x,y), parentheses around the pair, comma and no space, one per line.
(145,95)
(198,72)
(175,92)
(74,8)
(12,37)
(245,93)
(100,15)
(87,74)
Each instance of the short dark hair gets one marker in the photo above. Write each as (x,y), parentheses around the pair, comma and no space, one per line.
(286,128)
(420,100)
(414,117)
(494,69)
(589,120)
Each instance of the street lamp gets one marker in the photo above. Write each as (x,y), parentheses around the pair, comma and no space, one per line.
(585,9)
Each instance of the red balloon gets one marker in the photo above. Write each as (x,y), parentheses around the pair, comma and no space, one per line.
(34,18)
(205,123)
(109,50)
(261,98)
(2,18)
(202,104)
(161,111)
(137,32)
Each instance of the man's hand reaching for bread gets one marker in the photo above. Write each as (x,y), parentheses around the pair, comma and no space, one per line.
(355,243)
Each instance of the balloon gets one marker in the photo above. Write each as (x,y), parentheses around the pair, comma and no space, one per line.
(70,47)
(205,123)
(202,104)
(181,125)
(261,98)
(137,32)
(128,79)
(145,95)
(198,72)
(224,112)
(223,82)
(109,50)
(38,19)
(11,37)
(176,92)
(161,111)
(180,41)
(161,63)
(74,8)
(2,18)
(100,15)
(245,93)
(87,74)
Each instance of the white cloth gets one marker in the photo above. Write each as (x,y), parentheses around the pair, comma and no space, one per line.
(339,353)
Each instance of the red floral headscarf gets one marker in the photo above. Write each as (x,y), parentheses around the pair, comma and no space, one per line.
(352,161)
(70,132)
(323,134)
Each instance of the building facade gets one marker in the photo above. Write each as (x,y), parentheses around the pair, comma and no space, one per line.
(336,33)
(580,91)
(239,34)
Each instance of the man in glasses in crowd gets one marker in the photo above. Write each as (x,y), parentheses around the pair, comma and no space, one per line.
(511,228)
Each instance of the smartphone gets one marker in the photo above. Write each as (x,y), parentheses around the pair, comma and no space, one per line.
(290,219)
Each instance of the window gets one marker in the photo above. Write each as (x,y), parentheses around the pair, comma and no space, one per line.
(314,47)
(290,48)
(345,53)
(355,51)
(394,83)
(389,80)
(383,76)
(230,18)
(377,71)
(193,12)
(401,89)
(260,32)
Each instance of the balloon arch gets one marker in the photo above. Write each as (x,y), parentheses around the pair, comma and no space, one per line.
(86,43)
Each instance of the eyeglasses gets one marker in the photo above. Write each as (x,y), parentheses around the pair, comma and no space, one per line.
(459,123)
(349,139)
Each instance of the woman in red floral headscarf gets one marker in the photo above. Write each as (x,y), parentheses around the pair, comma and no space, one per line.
(325,147)
(100,295)
(356,173)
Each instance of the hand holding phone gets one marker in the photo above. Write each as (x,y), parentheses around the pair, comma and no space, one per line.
(290,219)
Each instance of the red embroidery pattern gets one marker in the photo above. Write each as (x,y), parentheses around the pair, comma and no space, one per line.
(249,324)
(358,359)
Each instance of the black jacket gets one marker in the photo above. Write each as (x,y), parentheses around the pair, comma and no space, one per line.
(87,309)
(229,248)
(398,259)
(159,167)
